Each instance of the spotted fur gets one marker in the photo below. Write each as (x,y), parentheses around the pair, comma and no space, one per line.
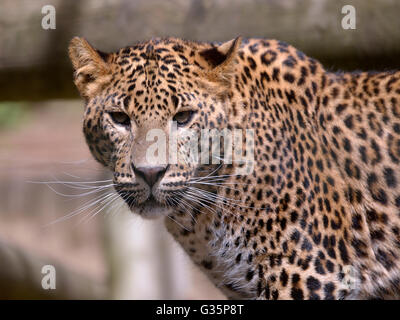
(325,191)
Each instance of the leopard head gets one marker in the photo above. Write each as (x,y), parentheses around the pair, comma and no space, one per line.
(146,105)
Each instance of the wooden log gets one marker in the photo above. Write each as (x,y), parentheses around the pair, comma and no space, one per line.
(34,63)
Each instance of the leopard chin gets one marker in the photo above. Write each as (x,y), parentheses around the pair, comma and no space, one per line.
(151,209)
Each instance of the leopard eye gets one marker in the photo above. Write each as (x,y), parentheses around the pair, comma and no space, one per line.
(120,118)
(183,117)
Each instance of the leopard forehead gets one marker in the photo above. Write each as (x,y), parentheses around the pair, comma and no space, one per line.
(152,78)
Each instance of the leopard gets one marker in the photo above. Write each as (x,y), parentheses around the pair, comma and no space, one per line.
(316,215)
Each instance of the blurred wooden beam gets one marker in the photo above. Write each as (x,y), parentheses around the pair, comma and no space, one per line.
(34,63)
(36,83)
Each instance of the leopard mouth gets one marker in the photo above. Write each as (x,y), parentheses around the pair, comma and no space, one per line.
(149,204)
(130,198)
(150,208)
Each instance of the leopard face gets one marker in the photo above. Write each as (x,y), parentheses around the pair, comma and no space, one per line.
(142,94)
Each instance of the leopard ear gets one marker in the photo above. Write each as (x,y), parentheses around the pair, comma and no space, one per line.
(91,68)
(221,60)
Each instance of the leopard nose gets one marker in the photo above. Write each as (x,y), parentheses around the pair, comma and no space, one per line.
(150,174)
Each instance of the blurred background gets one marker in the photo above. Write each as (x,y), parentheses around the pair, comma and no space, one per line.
(103,251)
